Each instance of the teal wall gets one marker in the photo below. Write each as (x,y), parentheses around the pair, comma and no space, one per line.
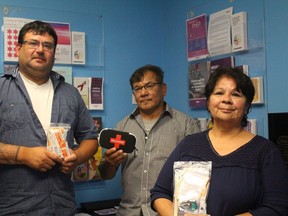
(137,32)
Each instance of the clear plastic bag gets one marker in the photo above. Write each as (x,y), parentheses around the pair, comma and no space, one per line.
(56,134)
(191,184)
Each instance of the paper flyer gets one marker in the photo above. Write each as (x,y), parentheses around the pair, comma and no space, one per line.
(78,47)
(81,172)
(223,62)
(198,76)
(197,38)
(66,72)
(9,68)
(63,49)
(94,173)
(96,93)
(12,27)
(219,32)
(239,32)
(82,84)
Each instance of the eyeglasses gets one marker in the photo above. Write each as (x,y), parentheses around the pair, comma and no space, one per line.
(34,44)
(148,87)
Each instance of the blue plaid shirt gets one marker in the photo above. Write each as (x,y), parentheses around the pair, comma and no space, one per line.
(25,191)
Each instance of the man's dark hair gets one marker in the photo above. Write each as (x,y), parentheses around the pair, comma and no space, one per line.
(39,28)
(140,72)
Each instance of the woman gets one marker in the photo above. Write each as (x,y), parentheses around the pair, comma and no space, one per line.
(248,175)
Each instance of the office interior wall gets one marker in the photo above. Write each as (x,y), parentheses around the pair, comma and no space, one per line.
(276,18)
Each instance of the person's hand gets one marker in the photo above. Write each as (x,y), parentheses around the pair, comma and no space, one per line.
(113,157)
(38,158)
(69,163)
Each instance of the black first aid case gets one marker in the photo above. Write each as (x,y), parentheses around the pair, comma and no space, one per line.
(109,138)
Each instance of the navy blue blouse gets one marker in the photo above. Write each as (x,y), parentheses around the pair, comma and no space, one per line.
(251,179)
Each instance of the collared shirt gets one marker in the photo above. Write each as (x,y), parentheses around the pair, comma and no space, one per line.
(25,191)
(141,169)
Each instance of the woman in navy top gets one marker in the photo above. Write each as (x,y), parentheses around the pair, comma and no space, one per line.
(248,175)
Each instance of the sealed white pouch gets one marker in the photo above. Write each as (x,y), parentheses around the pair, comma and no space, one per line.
(56,134)
(191,184)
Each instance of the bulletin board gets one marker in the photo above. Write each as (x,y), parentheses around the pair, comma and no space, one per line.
(254,56)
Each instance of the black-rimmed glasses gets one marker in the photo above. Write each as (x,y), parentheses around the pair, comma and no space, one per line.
(34,44)
(148,87)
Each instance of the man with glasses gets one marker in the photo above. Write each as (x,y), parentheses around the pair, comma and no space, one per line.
(158,129)
(33,180)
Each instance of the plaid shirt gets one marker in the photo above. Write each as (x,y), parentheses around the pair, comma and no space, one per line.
(25,191)
(140,171)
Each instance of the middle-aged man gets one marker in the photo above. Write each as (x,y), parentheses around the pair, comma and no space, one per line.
(33,180)
(158,129)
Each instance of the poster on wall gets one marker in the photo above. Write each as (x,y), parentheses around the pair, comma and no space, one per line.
(78,48)
(219,32)
(82,84)
(9,68)
(96,93)
(198,75)
(196,30)
(89,170)
(63,49)
(66,72)
(12,27)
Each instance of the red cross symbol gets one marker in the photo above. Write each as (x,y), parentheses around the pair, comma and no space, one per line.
(117,141)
